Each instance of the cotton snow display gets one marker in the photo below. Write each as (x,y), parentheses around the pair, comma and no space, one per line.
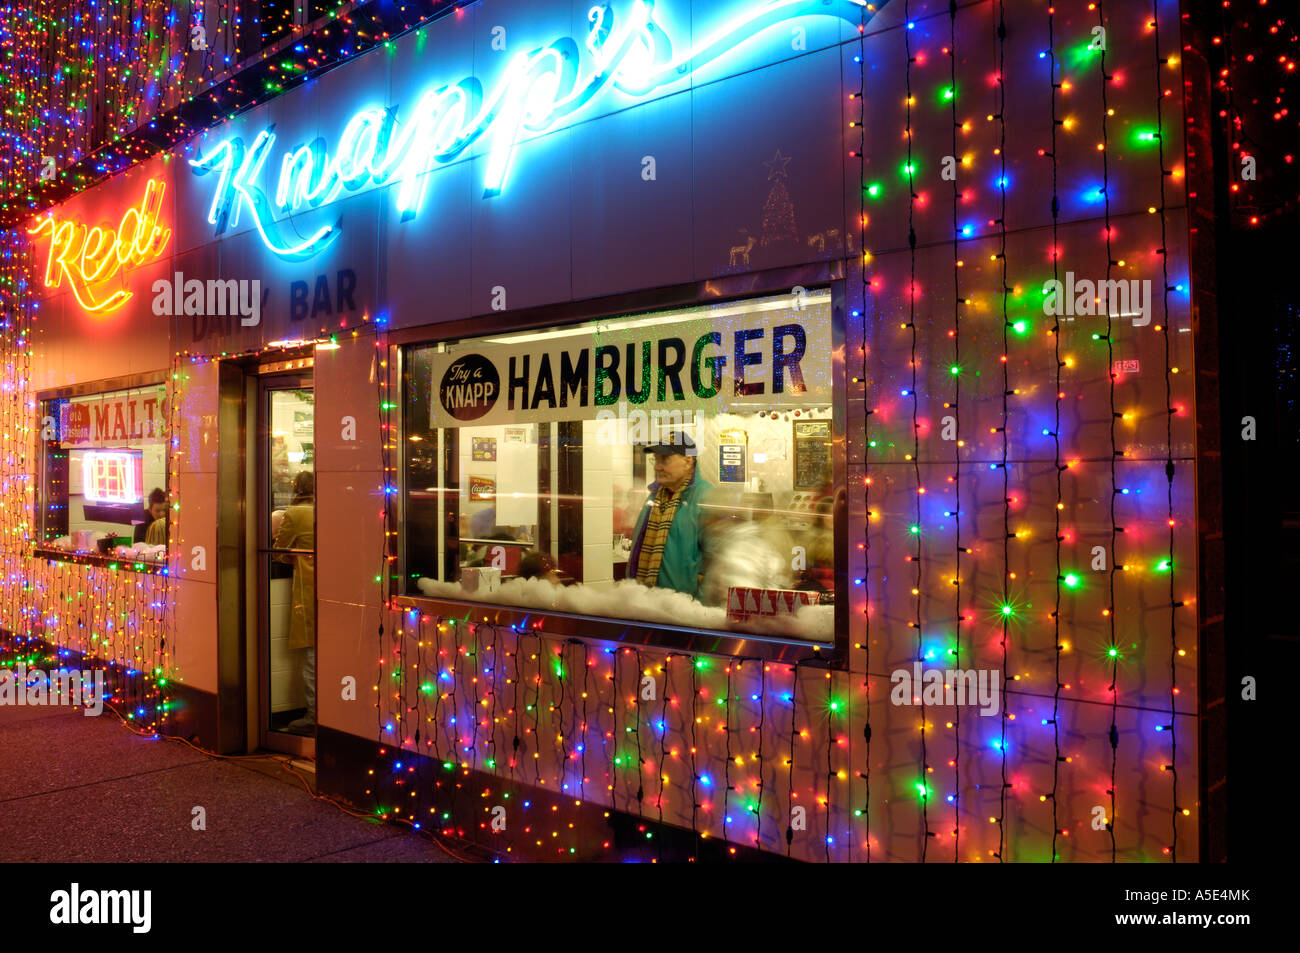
(745,555)
(143,551)
(631,600)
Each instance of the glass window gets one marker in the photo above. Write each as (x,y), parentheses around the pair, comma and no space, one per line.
(104,474)
(671,468)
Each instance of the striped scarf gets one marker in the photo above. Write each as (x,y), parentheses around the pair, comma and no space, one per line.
(657,523)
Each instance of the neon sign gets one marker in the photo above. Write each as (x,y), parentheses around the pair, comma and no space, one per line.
(88,257)
(109,477)
(538,91)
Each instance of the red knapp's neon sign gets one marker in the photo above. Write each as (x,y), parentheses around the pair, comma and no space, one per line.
(90,256)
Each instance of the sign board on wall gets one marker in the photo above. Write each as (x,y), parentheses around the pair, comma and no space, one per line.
(113,421)
(627,54)
(286,194)
(812,454)
(482,488)
(733,452)
(735,360)
(112,476)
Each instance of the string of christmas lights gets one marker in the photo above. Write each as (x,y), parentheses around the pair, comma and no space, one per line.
(1057,468)
(1170,411)
(955,407)
(1115,453)
(915,455)
(1004,292)
(863,258)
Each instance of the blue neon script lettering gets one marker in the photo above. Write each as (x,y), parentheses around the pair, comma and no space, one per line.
(538,90)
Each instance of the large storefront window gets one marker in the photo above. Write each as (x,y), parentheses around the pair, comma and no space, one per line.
(104,474)
(672,468)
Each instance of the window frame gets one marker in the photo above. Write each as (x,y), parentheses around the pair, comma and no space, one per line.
(84,389)
(734,288)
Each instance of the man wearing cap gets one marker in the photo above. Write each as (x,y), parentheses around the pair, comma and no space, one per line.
(668,544)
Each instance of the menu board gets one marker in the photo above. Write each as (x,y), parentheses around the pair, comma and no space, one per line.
(812,454)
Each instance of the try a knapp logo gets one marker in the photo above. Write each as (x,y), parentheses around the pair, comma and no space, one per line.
(22,686)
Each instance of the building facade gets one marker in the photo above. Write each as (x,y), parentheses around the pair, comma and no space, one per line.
(909,283)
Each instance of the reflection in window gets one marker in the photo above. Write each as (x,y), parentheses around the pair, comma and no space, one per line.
(672,468)
(104,474)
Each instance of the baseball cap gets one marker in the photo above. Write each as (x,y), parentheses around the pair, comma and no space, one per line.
(673,441)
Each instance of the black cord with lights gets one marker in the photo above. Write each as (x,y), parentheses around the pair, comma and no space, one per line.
(536,708)
(1170,410)
(758,804)
(794,707)
(695,773)
(612,750)
(663,741)
(860,154)
(916,445)
(726,728)
(494,760)
(557,710)
(516,743)
(640,758)
(830,770)
(1006,393)
(586,692)
(956,412)
(1056,441)
(1115,529)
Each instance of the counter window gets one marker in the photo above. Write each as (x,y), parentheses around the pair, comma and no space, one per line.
(104,474)
(671,468)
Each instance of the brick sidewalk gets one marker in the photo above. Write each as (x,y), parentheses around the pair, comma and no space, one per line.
(74,788)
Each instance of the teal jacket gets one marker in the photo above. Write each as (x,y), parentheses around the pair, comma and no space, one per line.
(684,548)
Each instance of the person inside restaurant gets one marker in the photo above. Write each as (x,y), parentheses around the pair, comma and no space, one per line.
(668,541)
(155,509)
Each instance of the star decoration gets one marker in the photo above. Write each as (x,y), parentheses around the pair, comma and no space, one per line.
(776,165)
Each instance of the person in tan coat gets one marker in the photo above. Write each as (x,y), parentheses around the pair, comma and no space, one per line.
(298,531)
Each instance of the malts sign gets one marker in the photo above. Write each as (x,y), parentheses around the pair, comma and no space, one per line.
(114,421)
(712,361)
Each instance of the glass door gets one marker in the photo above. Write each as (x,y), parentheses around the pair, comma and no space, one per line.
(286,558)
